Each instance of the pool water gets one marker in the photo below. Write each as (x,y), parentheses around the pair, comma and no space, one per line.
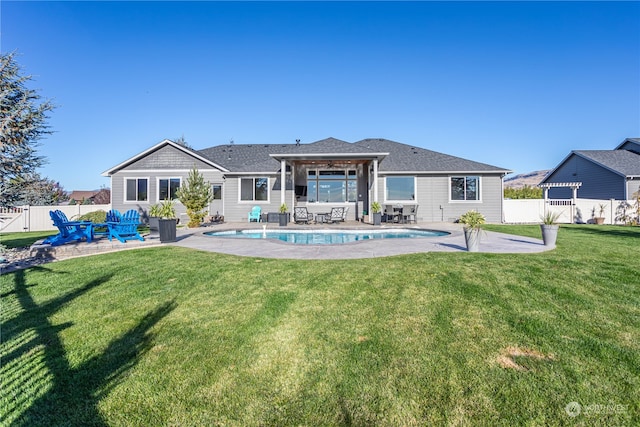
(326,237)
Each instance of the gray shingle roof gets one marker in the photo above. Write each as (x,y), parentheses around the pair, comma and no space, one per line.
(623,162)
(402,157)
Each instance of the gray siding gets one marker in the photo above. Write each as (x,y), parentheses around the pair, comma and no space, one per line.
(166,162)
(434,204)
(597,182)
(167,157)
(237,210)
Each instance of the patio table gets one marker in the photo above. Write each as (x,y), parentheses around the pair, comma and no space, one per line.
(322,217)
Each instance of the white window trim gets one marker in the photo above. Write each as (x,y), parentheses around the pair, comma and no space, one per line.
(393,201)
(479,200)
(345,180)
(254,202)
(124,195)
(214,184)
(158,185)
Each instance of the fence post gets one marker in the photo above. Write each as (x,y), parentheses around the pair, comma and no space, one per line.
(25,218)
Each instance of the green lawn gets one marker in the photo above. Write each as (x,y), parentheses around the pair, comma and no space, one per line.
(171,336)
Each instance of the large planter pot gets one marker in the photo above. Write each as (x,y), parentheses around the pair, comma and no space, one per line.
(472,239)
(599,220)
(167,229)
(549,234)
(377,218)
(283,219)
(153,223)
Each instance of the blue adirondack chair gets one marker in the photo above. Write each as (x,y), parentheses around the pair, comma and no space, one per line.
(102,229)
(114,216)
(69,231)
(126,228)
(255,214)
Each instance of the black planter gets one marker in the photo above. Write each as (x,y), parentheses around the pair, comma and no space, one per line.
(377,218)
(283,219)
(153,223)
(167,228)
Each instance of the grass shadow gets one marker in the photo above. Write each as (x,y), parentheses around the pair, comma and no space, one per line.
(38,380)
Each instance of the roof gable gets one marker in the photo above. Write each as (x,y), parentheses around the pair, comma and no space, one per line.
(630,144)
(158,148)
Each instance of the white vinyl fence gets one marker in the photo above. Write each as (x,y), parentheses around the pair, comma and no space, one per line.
(36,218)
(581,211)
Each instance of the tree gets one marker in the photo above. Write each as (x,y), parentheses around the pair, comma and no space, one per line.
(23,117)
(195,195)
(34,190)
(525,192)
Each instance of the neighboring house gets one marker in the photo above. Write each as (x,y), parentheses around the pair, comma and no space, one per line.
(318,175)
(603,174)
(82,197)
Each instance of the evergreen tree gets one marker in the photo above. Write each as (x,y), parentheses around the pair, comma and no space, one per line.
(23,117)
(195,194)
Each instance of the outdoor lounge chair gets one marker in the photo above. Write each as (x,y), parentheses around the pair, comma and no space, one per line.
(301,214)
(69,231)
(126,228)
(255,214)
(336,215)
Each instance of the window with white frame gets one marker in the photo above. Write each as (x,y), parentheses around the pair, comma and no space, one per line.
(254,189)
(400,188)
(167,188)
(136,189)
(217,191)
(465,188)
(332,186)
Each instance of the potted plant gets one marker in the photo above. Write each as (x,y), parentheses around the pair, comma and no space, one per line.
(549,228)
(154,216)
(600,218)
(472,221)
(376,210)
(167,221)
(283,215)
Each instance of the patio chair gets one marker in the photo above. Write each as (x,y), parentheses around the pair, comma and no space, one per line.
(344,213)
(336,215)
(126,228)
(301,214)
(409,213)
(255,214)
(113,216)
(396,215)
(69,231)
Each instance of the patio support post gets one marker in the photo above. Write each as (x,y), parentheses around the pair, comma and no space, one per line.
(375,180)
(283,181)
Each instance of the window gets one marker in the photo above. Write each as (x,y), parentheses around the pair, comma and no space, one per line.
(400,188)
(167,188)
(254,189)
(465,188)
(332,186)
(217,192)
(136,189)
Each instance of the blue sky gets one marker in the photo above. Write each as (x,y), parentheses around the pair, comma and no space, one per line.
(513,84)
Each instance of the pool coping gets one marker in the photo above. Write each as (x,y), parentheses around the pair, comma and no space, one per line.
(491,242)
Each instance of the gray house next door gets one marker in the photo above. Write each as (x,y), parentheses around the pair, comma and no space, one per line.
(217,205)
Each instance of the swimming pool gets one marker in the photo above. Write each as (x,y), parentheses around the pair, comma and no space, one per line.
(327,237)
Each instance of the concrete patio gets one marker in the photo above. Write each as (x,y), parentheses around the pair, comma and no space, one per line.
(491,242)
